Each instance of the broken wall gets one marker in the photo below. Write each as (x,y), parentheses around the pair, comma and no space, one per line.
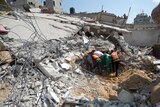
(143,37)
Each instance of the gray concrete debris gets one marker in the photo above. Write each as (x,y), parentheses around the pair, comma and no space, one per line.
(49,70)
(46,71)
(53,95)
(125,97)
(65,66)
(157,62)
(78,71)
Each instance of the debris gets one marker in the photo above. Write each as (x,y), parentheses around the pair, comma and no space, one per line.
(5,57)
(78,71)
(157,62)
(53,95)
(125,97)
(65,66)
(49,70)
(3,30)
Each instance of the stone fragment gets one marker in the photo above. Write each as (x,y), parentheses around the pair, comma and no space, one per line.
(53,95)
(66,66)
(5,57)
(125,97)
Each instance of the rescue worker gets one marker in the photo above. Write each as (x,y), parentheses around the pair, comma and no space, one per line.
(89,62)
(108,62)
(115,61)
(97,58)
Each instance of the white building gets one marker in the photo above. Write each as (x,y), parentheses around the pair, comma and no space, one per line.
(54,4)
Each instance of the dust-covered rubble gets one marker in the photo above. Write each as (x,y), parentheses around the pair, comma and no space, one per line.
(52,73)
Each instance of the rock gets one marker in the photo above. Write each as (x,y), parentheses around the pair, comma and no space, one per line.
(25,99)
(4,67)
(53,95)
(143,105)
(86,28)
(56,90)
(78,71)
(49,70)
(54,64)
(65,66)
(61,85)
(38,83)
(155,94)
(5,57)
(115,87)
(125,97)
(113,106)
(107,104)
(126,105)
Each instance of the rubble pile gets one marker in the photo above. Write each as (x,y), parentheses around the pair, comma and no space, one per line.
(48,73)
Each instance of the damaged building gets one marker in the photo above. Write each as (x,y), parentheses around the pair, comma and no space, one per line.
(43,61)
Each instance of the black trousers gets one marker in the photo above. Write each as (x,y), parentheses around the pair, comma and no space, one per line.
(115,66)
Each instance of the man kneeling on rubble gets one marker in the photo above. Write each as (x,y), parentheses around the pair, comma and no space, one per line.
(115,61)
(103,61)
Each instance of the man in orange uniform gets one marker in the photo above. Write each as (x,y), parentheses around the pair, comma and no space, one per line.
(115,61)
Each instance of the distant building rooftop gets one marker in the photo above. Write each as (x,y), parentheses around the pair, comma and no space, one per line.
(142,18)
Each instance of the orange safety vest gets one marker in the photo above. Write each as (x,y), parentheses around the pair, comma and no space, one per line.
(114,56)
(95,56)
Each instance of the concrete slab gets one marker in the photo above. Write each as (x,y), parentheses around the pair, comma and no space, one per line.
(157,62)
(47,28)
(49,70)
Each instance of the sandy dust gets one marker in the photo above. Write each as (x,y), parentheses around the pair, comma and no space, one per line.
(102,86)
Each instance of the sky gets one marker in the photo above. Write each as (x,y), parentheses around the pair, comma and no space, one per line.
(118,7)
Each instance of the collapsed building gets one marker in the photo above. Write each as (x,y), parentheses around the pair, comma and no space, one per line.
(43,64)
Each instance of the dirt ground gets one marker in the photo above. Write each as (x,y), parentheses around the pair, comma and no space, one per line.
(103,86)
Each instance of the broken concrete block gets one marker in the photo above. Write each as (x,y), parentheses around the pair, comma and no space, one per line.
(65,66)
(57,90)
(86,28)
(85,39)
(5,57)
(61,84)
(158,67)
(157,62)
(125,97)
(54,64)
(4,67)
(38,83)
(78,71)
(49,70)
(53,95)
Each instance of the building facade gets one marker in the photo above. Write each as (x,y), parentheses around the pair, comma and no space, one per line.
(20,3)
(144,31)
(105,18)
(55,5)
(142,19)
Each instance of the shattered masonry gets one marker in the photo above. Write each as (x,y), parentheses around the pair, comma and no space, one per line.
(39,69)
